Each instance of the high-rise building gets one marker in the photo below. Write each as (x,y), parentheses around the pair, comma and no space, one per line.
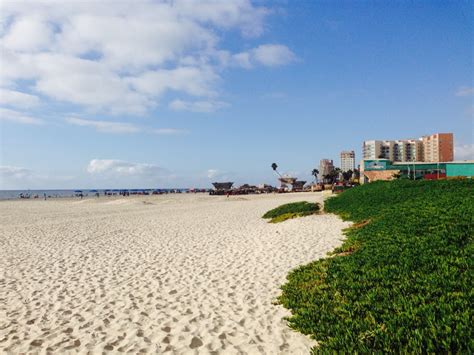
(435,148)
(438,147)
(347,160)
(326,166)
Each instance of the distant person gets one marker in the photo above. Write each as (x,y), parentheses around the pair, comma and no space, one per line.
(44,196)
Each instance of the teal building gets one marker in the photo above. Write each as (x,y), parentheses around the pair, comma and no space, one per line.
(417,170)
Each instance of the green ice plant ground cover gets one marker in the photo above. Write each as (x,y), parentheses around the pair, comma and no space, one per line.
(403,279)
(292,210)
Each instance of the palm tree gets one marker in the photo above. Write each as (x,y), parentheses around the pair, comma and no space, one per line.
(347,175)
(332,176)
(275,167)
(315,173)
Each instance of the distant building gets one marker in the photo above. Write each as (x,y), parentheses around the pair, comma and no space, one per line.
(438,147)
(347,161)
(326,166)
(434,148)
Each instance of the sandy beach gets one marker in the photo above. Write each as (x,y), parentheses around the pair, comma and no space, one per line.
(172,273)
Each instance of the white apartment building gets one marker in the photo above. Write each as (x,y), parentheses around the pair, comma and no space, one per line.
(402,150)
(375,149)
(347,160)
(408,150)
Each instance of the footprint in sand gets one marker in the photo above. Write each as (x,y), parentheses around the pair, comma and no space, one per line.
(196,343)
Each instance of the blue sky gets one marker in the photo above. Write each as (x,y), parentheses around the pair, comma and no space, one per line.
(153,94)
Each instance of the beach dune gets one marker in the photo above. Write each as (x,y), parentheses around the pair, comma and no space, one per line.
(172,273)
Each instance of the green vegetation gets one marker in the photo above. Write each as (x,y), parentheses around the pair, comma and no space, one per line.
(402,281)
(292,210)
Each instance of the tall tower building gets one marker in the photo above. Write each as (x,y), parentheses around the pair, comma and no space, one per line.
(347,161)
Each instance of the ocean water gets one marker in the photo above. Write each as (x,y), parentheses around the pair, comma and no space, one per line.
(15,194)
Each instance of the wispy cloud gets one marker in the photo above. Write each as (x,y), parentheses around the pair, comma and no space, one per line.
(122,127)
(15,172)
(105,126)
(18,177)
(19,117)
(269,55)
(465,91)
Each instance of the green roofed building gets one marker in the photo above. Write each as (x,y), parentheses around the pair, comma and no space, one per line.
(384,169)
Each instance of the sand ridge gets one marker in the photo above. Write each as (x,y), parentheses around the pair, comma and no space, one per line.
(178,274)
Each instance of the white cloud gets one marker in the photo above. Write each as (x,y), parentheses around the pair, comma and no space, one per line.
(18,117)
(105,126)
(88,83)
(28,33)
(243,60)
(196,106)
(212,173)
(18,99)
(273,55)
(124,168)
(465,91)
(219,175)
(149,39)
(226,14)
(121,57)
(196,81)
(464,152)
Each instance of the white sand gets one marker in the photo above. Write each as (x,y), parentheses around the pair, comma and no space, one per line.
(182,273)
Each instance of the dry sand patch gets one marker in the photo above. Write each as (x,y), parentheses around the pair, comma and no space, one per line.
(184,273)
